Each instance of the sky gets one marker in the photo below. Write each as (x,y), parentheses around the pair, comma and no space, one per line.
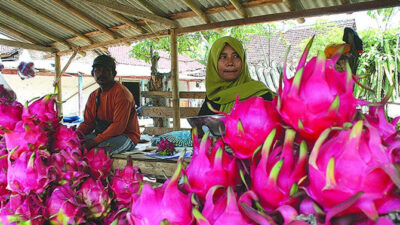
(363,21)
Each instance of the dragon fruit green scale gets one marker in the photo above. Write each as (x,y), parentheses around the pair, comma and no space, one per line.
(353,163)
(323,96)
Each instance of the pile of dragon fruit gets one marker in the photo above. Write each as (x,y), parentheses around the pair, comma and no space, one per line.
(310,156)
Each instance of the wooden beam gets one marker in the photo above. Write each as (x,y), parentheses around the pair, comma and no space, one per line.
(127,21)
(168,112)
(51,19)
(18,34)
(354,7)
(33,27)
(149,7)
(230,7)
(168,94)
(197,10)
(85,18)
(249,4)
(58,85)
(24,45)
(119,40)
(294,5)
(376,4)
(175,80)
(131,11)
(59,75)
(240,8)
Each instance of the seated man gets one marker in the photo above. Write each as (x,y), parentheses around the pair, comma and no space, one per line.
(110,118)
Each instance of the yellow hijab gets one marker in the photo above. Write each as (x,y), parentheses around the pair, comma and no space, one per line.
(224,92)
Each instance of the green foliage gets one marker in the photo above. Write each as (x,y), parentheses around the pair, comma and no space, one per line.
(327,33)
(379,64)
(197,45)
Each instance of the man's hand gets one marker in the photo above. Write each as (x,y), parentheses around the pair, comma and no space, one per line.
(89,144)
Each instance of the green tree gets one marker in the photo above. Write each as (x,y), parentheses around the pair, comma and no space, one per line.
(196,45)
(326,33)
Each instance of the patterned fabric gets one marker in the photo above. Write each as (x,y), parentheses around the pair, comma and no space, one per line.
(181,138)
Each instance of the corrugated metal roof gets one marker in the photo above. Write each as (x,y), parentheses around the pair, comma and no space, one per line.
(221,12)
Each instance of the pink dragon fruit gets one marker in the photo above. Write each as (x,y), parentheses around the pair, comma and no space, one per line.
(29,173)
(353,169)
(96,197)
(317,97)
(27,208)
(42,111)
(69,166)
(209,168)
(65,138)
(166,204)
(126,184)
(4,193)
(64,207)
(26,137)
(248,124)
(117,217)
(221,210)
(277,175)
(10,114)
(99,162)
(387,131)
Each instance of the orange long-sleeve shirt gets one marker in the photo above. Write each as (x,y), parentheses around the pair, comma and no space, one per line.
(117,106)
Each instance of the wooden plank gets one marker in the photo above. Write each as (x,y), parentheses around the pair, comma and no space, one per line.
(175,80)
(160,169)
(131,11)
(157,131)
(132,24)
(26,45)
(168,112)
(182,94)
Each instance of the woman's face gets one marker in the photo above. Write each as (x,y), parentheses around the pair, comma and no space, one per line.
(229,64)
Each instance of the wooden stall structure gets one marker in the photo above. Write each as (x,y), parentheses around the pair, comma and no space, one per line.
(71,27)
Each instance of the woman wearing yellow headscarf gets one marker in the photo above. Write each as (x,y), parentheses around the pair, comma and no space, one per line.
(227,76)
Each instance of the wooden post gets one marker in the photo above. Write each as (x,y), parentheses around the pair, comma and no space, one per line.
(58,85)
(175,80)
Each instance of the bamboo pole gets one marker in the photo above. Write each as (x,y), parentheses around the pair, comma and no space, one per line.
(59,86)
(51,19)
(239,7)
(175,79)
(58,75)
(26,45)
(197,10)
(18,34)
(85,18)
(131,11)
(33,27)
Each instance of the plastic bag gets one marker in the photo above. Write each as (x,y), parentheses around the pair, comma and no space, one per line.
(26,70)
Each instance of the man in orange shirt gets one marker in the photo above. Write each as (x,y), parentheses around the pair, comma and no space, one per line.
(110,118)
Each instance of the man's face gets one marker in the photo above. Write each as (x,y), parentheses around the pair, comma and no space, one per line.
(229,64)
(103,75)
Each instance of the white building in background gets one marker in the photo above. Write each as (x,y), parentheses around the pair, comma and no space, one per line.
(132,72)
